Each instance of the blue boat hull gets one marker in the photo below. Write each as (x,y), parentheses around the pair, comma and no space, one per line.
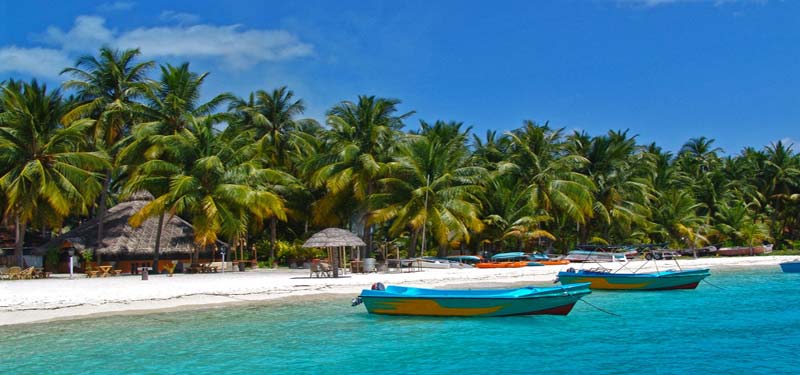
(791,267)
(665,280)
(398,300)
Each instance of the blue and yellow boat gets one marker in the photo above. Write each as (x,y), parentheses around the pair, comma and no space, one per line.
(401,300)
(664,280)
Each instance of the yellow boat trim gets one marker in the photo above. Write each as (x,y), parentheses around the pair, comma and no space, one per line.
(431,307)
(604,284)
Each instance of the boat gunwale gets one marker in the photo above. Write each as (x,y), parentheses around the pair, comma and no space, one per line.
(572,289)
(662,274)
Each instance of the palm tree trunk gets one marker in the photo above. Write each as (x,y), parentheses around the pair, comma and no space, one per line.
(273,236)
(367,240)
(195,254)
(19,241)
(335,262)
(442,251)
(412,246)
(157,249)
(101,213)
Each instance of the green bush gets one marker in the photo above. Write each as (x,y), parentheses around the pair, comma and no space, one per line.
(286,252)
(51,257)
(87,255)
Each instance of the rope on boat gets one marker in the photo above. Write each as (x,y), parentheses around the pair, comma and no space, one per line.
(599,308)
(715,286)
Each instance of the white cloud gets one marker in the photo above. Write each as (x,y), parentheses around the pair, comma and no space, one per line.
(38,62)
(116,6)
(88,33)
(789,142)
(179,17)
(239,48)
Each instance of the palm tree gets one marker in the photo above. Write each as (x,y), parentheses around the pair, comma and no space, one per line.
(431,186)
(491,152)
(674,214)
(754,232)
(46,176)
(363,136)
(107,86)
(219,187)
(271,115)
(779,183)
(550,174)
(729,221)
(618,170)
(699,160)
(172,107)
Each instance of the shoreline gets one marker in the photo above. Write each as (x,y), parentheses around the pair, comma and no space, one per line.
(55,299)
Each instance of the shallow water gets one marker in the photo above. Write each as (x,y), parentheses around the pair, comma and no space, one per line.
(749,326)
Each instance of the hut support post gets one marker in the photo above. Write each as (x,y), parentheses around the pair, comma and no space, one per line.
(335,262)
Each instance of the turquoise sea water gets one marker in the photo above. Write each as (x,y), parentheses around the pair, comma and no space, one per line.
(750,326)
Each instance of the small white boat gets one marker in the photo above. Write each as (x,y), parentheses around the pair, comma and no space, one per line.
(431,263)
(577,256)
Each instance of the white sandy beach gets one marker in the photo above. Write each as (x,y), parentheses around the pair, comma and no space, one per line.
(28,301)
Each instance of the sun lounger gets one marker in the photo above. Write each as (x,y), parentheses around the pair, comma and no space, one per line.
(27,273)
(13,273)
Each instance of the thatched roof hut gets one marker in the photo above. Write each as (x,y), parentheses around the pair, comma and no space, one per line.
(121,240)
(333,238)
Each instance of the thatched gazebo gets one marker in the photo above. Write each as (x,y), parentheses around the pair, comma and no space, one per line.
(123,242)
(335,240)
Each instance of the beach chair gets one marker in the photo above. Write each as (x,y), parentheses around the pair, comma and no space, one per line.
(320,269)
(170,268)
(13,273)
(27,273)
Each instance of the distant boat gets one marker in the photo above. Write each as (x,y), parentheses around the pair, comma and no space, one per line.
(664,280)
(431,263)
(545,260)
(553,262)
(401,300)
(791,267)
(744,250)
(468,259)
(579,256)
(522,263)
(512,256)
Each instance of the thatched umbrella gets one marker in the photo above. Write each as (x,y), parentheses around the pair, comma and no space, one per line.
(331,238)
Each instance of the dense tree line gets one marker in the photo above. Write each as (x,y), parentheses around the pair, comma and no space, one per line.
(252,167)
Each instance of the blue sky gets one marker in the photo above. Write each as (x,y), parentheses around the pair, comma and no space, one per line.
(668,70)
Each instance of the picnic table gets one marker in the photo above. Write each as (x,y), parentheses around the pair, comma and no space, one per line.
(203,268)
(40,273)
(105,270)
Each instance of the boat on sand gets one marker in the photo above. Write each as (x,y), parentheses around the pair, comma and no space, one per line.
(403,300)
